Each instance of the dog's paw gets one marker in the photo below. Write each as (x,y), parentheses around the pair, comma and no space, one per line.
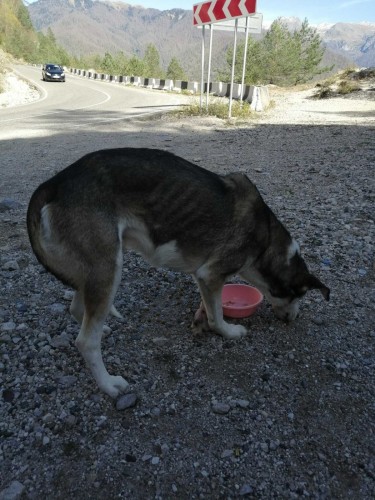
(114,385)
(200,321)
(233,332)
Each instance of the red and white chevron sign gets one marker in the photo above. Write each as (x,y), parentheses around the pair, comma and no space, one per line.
(220,10)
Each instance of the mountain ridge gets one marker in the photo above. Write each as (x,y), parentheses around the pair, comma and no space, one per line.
(85,27)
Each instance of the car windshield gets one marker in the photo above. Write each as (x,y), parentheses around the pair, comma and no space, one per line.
(53,67)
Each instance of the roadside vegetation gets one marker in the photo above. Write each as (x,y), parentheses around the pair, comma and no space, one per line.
(218,107)
(282,57)
(343,83)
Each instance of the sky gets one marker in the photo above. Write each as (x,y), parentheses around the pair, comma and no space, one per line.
(316,11)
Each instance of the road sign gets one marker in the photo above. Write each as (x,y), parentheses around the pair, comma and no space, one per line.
(254,24)
(220,10)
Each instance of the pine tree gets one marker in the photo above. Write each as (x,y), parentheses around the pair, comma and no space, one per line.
(175,70)
(152,62)
(282,57)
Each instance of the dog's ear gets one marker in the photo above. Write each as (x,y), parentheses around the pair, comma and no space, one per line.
(313,283)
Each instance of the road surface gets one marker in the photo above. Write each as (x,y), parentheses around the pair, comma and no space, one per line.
(79,103)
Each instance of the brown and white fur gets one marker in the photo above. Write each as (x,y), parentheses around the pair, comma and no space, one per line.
(176,215)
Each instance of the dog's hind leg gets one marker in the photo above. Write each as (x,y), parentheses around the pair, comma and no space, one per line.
(77,307)
(98,294)
(77,310)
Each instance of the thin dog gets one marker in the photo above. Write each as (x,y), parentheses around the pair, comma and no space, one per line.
(176,215)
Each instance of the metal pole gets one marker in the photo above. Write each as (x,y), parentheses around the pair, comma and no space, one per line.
(244,59)
(209,65)
(233,64)
(202,77)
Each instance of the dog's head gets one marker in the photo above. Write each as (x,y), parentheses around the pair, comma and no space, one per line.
(286,289)
(284,280)
(285,298)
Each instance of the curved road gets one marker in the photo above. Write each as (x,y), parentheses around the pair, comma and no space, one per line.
(80,102)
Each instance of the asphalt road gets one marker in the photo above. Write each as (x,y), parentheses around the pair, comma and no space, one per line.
(80,103)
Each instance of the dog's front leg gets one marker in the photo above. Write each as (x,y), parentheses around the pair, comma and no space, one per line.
(211,297)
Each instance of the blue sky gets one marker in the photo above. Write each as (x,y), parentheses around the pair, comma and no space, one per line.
(316,11)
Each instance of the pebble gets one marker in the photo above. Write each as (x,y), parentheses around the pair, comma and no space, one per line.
(67,380)
(9,204)
(13,492)
(317,320)
(126,401)
(246,490)
(57,308)
(11,265)
(221,408)
(9,326)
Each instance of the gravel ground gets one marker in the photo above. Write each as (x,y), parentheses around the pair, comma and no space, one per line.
(286,412)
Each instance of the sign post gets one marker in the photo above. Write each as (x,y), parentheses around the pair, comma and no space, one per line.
(233,68)
(225,14)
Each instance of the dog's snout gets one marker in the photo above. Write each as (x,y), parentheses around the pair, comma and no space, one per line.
(287,314)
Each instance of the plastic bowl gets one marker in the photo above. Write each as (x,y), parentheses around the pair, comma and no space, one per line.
(240,301)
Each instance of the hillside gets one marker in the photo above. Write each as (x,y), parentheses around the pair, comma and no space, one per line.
(357,41)
(86,27)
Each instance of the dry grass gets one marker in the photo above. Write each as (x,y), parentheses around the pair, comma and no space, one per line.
(340,84)
(218,107)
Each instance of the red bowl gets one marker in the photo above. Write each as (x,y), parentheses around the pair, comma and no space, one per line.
(240,301)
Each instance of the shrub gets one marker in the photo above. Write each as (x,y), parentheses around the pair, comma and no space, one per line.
(218,108)
(347,87)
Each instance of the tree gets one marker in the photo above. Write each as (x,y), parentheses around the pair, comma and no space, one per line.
(136,66)
(152,62)
(282,57)
(175,70)
(107,64)
(311,53)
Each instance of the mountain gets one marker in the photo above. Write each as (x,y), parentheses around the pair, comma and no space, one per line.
(357,41)
(354,42)
(86,27)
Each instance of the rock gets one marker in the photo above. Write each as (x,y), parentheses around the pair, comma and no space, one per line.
(246,490)
(21,307)
(8,395)
(62,340)
(11,265)
(317,320)
(57,309)
(13,492)
(227,453)
(67,380)
(9,326)
(126,401)
(221,408)
(9,204)
(68,295)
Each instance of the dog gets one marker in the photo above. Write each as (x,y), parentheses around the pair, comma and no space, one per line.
(176,215)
